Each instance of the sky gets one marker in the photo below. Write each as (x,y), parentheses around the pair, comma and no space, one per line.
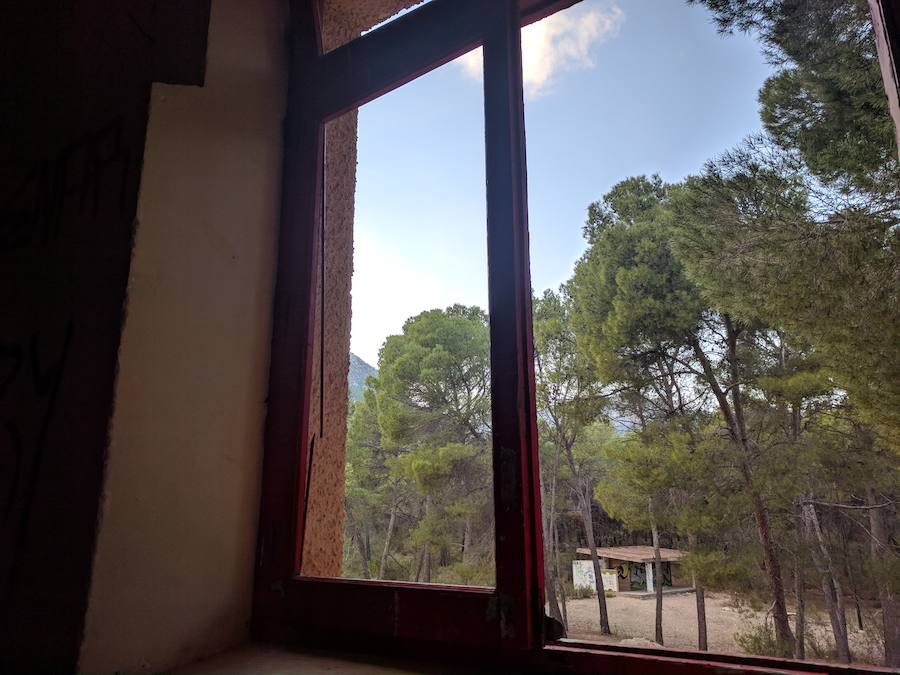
(613,88)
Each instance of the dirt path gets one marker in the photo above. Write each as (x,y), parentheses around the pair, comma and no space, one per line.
(632,618)
(632,622)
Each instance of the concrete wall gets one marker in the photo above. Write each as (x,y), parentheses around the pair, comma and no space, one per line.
(173,570)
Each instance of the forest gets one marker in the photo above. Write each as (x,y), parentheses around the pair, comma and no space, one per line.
(720,374)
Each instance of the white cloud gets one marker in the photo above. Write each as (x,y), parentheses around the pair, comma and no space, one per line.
(558,43)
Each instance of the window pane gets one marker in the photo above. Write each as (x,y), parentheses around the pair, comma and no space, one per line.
(342,22)
(401,482)
(714,253)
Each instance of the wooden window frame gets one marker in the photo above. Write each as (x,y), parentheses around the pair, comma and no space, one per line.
(502,625)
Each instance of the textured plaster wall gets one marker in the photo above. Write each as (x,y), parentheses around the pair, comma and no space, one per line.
(173,569)
(323,546)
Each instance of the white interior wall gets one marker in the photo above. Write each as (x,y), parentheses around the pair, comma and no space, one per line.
(172,576)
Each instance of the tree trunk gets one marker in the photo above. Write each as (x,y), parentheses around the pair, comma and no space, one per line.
(657,572)
(467,540)
(831,585)
(426,555)
(387,541)
(887,592)
(552,594)
(363,554)
(548,517)
(360,544)
(702,643)
(853,589)
(773,568)
(558,573)
(420,556)
(800,616)
(733,413)
(595,560)
(554,530)
(426,565)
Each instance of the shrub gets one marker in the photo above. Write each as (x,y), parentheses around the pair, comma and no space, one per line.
(579,593)
(759,640)
(818,649)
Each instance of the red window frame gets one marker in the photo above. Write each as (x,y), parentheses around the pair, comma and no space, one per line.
(505,624)
(322,87)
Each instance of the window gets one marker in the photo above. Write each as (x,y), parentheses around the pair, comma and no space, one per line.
(412,449)
(510,613)
(668,401)
(505,622)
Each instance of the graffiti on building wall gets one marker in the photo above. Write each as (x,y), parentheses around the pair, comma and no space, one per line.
(638,577)
(583,576)
(634,575)
(67,186)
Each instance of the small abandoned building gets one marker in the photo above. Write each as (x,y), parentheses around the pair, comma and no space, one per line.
(629,568)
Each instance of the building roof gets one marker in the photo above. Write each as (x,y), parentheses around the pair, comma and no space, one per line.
(641,554)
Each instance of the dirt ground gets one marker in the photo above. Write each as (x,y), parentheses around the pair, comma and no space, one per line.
(632,621)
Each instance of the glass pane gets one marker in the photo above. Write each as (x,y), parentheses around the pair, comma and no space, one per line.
(408,6)
(714,250)
(402,482)
(342,22)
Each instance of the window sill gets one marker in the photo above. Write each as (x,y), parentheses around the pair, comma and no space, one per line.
(567,656)
(623,658)
(261,659)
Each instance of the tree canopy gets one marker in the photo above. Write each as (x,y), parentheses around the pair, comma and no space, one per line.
(722,369)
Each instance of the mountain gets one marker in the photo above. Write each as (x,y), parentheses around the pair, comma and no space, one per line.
(359,371)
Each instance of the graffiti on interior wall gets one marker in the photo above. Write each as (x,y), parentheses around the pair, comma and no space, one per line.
(46,223)
(36,370)
(31,372)
(66,185)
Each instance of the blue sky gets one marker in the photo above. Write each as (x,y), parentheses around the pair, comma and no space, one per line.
(613,89)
